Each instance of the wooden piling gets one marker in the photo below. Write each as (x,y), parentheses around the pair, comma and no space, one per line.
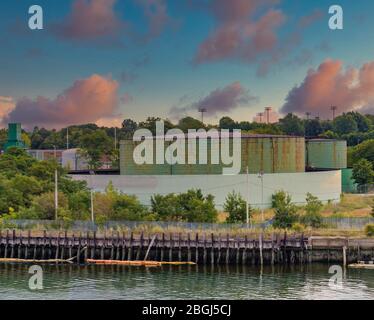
(227,249)
(244,253)
(57,246)
(260,246)
(188,247)
(171,246)
(197,248)
(162,247)
(212,250)
(272,249)
(219,249)
(179,248)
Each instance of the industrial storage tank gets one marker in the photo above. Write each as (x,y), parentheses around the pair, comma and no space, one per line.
(326,154)
(260,153)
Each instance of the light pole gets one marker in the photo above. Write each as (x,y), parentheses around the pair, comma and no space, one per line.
(92,200)
(333,109)
(247,204)
(261,176)
(56,186)
(67,138)
(202,111)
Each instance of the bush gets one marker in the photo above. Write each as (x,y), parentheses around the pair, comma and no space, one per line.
(363,172)
(298,227)
(190,206)
(236,206)
(285,211)
(312,217)
(369,230)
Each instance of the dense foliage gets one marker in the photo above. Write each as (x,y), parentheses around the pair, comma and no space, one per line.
(355,128)
(191,206)
(285,212)
(236,207)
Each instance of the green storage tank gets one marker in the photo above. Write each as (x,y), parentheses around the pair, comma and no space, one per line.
(266,153)
(14,136)
(326,154)
(348,184)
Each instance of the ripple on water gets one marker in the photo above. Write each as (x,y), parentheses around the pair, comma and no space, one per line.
(188,282)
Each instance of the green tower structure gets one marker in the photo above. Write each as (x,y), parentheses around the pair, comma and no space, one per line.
(14,136)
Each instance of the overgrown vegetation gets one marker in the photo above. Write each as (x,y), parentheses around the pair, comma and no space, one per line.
(285,212)
(191,206)
(369,230)
(236,207)
(313,207)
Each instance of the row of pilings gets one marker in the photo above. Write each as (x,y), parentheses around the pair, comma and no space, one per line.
(192,247)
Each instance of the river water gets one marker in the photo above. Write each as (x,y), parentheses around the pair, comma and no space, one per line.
(186,282)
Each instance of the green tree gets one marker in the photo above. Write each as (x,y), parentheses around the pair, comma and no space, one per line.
(345,124)
(313,128)
(95,145)
(313,209)
(191,206)
(236,206)
(190,123)
(364,150)
(285,211)
(227,123)
(292,125)
(363,172)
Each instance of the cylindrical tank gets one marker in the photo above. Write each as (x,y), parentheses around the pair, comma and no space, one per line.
(326,154)
(260,153)
(273,154)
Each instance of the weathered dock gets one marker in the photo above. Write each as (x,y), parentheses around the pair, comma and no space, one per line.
(200,249)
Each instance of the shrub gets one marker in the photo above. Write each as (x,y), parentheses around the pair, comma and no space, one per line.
(191,206)
(298,227)
(285,211)
(363,172)
(236,206)
(313,209)
(369,230)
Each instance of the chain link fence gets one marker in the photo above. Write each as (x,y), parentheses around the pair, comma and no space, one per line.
(88,226)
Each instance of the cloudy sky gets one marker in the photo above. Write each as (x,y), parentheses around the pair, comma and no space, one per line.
(105,60)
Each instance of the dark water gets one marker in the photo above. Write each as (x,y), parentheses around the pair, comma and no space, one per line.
(187,282)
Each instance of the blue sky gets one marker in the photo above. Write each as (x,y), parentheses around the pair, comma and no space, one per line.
(161,66)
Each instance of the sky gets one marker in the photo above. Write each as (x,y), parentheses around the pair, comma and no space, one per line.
(101,61)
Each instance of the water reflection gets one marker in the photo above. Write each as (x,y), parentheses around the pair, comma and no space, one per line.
(185,282)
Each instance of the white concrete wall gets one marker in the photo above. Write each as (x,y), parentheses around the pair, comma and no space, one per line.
(325,185)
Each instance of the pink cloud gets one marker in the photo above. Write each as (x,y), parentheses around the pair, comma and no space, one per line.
(87,100)
(221,100)
(90,19)
(330,85)
(238,33)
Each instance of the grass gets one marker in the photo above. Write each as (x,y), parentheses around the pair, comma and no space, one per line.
(350,206)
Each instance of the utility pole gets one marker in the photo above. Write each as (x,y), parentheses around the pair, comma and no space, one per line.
(333,109)
(202,111)
(115,138)
(67,138)
(56,186)
(92,201)
(260,114)
(261,176)
(247,204)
